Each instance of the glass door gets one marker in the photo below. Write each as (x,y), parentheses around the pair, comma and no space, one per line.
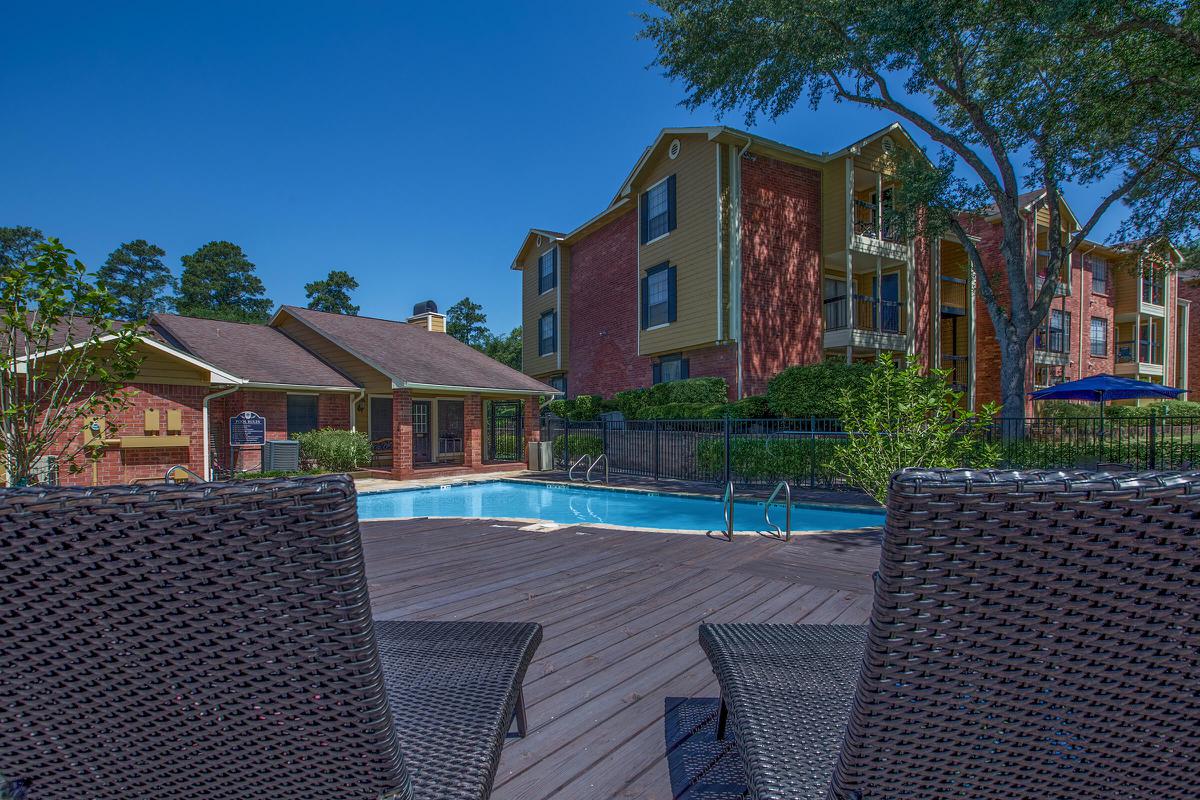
(422,446)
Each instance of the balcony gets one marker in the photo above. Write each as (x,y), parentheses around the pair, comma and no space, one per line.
(1153,292)
(1052,345)
(867,223)
(1140,352)
(958,368)
(877,323)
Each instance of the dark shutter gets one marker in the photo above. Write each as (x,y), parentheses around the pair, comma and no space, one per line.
(554,331)
(656,373)
(683,369)
(670,294)
(644,223)
(671,205)
(645,302)
(554,269)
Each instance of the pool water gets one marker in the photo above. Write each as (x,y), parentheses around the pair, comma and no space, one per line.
(572,505)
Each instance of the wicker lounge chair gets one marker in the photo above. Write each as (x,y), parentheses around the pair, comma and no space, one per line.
(1032,636)
(215,641)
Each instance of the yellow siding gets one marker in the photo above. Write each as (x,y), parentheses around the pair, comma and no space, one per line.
(365,375)
(533,305)
(833,206)
(691,248)
(158,367)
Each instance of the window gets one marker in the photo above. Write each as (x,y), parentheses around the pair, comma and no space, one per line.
(547,333)
(1153,286)
(1099,332)
(559,382)
(548,270)
(1055,334)
(301,413)
(670,368)
(1099,270)
(658,210)
(658,296)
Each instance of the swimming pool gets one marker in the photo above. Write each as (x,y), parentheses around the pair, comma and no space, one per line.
(576,505)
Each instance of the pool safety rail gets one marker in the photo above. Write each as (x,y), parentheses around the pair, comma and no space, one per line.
(773,530)
(728,503)
(584,461)
(596,463)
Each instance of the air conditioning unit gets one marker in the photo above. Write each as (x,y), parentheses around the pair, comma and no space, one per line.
(281,455)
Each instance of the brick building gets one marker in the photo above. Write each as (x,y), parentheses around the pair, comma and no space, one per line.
(726,254)
(432,405)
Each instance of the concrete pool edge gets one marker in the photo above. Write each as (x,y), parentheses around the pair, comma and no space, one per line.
(550,526)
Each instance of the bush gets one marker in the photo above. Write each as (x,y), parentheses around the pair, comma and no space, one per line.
(631,402)
(813,390)
(753,407)
(762,459)
(335,450)
(682,411)
(700,391)
(1066,409)
(1162,408)
(578,409)
(581,444)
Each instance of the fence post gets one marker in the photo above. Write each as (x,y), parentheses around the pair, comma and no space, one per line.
(1151,454)
(604,436)
(657,446)
(812,452)
(728,441)
(566,443)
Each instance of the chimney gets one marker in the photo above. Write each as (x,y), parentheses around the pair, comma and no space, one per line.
(425,315)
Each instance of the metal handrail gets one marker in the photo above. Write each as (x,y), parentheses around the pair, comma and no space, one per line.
(774,530)
(578,461)
(167,476)
(728,502)
(595,463)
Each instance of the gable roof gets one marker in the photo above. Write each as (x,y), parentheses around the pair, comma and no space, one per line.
(413,357)
(530,238)
(255,353)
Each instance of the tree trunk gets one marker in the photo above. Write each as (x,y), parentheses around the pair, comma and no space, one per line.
(1013,353)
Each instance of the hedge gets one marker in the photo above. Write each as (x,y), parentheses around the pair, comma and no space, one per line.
(703,391)
(814,390)
(335,450)
(769,459)
(581,444)
(746,408)
(1064,409)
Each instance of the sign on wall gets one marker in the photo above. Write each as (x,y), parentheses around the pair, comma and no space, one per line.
(247,428)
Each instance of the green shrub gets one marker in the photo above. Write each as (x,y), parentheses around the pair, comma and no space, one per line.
(578,409)
(335,450)
(760,459)
(631,402)
(1162,408)
(1066,409)
(581,444)
(700,391)
(753,407)
(682,411)
(813,390)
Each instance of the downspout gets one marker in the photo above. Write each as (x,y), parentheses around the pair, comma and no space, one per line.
(736,174)
(207,451)
(353,405)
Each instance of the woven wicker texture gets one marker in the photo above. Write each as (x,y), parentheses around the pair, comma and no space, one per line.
(789,689)
(193,642)
(453,687)
(1033,635)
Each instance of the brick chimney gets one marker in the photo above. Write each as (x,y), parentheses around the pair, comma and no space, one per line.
(425,314)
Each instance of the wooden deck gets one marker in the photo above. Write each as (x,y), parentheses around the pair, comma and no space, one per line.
(621,700)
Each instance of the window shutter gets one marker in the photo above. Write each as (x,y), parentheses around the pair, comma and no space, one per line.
(644,209)
(683,369)
(554,269)
(645,302)
(656,373)
(671,203)
(554,332)
(670,294)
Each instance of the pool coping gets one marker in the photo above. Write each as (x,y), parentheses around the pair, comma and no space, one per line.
(551,525)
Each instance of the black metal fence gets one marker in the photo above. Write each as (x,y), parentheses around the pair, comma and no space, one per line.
(764,451)
(505,431)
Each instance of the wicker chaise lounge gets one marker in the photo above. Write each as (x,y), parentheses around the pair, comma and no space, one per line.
(1032,636)
(215,641)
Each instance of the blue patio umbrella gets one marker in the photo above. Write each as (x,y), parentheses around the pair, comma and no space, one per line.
(1099,388)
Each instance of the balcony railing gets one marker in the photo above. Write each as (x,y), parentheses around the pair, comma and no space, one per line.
(958,367)
(1147,352)
(1152,293)
(866,223)
(870,314)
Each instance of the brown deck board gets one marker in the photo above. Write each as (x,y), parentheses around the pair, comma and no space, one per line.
(620,696)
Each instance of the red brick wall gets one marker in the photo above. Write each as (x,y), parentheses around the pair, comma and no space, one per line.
(1085,305)
(118,465)
(987,348)
(402,443)
(781,270)
(604,312)
(472,431)
(1191,291)
(333,411)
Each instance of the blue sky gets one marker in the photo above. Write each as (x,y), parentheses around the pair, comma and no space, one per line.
(412,147)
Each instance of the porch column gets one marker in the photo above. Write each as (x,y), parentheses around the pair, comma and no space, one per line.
(472,431)
(533,420)
(402,441)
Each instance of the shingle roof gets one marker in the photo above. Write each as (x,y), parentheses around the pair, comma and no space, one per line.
(256,353)
(411,355)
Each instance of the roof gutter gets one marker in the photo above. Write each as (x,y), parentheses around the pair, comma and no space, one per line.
(488,389)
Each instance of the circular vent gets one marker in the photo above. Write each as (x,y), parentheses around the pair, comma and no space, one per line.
(888,144)
(673,151)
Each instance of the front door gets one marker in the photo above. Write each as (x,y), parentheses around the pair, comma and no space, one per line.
(380,424)
(422,452)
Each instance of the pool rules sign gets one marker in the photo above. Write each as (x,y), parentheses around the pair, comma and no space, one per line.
(247,428)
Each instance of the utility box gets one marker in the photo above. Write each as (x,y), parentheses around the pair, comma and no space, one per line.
(281,455)
(541,456)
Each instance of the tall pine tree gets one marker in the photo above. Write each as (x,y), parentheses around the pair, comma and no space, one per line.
(136,275)
(333,293)
(219,282)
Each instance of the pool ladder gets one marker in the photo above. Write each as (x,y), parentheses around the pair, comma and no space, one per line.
(773,530)
(588,463)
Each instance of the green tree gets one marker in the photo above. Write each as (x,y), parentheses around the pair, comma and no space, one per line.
(901,418)
(1014,94)
(466,322)
(18,244)
(136,275)
(333,293)
(505,349)
(219,282)
(63,361)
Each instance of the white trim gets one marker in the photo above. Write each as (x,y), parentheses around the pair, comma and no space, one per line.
(637,275)
(299,388)
(554,271)
(659,326)
(557,306)
(657,239)
(720,249)
(735,257)
(426,387)
(216,375)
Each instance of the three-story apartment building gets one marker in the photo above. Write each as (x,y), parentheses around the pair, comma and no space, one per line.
(731,255)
